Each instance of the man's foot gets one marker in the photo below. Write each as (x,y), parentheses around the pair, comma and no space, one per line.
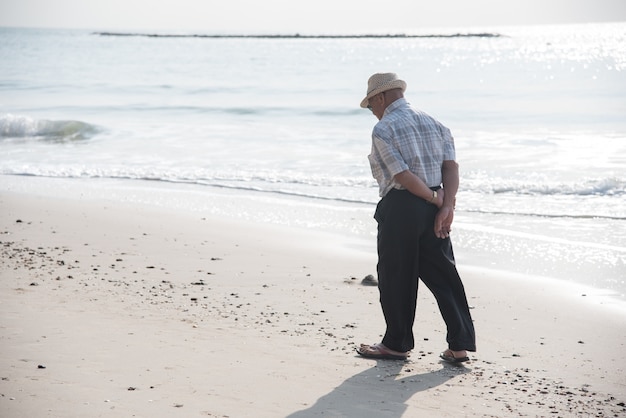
(379,351)
(450,356)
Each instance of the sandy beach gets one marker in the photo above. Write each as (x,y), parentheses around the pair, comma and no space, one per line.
(109,309)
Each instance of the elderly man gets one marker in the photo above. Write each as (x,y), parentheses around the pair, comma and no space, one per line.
(413,160)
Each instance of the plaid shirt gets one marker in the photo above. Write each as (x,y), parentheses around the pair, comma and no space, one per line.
(408,139)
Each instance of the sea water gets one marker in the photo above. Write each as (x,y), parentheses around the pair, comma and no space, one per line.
(273,126)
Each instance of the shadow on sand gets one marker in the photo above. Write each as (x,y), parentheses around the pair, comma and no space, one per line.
(382,390)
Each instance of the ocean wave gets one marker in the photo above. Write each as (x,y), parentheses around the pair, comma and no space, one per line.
(352,191)
(312,189)
(523,213)
(25,127)
(607,186)
(601,186)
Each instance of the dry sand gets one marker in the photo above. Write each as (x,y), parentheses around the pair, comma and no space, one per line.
(111,310)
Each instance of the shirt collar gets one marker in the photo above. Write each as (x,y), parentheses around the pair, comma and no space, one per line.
(396,104)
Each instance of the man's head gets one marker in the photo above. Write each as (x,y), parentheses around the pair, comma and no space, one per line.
(382,90)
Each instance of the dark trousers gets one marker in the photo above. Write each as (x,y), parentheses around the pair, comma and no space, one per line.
(408,250)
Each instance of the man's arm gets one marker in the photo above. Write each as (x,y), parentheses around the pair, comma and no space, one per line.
(417,186)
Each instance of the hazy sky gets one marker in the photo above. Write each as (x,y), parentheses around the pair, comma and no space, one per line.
(302,16)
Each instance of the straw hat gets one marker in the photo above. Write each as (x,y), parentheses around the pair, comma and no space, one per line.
(380,82)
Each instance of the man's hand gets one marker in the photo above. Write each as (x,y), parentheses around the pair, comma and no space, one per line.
(443,222)
(445,216)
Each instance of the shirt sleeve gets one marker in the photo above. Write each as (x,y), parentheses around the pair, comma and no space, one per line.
(390,159)
(449,152)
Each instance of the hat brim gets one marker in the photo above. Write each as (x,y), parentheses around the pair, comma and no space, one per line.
(395,84)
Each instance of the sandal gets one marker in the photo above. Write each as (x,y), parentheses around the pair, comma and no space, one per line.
(380,352)
(449,357)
